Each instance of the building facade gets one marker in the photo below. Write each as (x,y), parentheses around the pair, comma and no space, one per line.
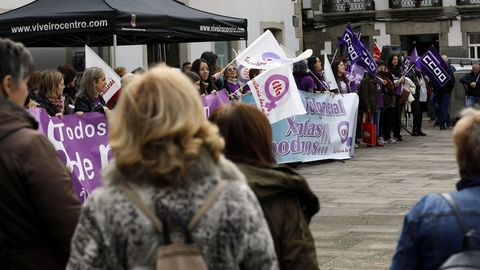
(282,18)
(452,26)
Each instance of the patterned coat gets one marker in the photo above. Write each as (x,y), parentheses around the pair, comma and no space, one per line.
(233,234)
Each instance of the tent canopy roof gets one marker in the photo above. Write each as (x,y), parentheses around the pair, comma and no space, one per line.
(69,23)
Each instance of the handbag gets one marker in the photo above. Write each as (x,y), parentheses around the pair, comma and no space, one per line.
(369,129)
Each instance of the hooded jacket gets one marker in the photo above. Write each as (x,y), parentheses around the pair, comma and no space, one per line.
(232,235)
(288,204)
(38,207)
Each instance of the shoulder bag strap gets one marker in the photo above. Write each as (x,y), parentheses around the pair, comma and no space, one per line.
(207,203)
(463,226)
(135,199)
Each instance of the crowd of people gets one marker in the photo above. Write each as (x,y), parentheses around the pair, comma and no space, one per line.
(172,158)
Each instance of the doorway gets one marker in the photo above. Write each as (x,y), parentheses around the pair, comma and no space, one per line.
(421,42)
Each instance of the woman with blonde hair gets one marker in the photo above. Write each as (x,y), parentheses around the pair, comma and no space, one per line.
(92,85)
(169,155)
(50,93)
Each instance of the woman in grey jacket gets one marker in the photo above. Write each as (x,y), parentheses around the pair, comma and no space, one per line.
(170,155)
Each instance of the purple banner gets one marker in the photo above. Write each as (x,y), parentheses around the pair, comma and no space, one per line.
(81,143)
(357,53)
(214,100)
(432,65)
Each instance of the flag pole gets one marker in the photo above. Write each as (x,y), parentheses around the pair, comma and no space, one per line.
(333,58)
(308,70)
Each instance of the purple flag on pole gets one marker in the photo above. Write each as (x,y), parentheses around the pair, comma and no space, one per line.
(357,53)
(414,55)
(432,65)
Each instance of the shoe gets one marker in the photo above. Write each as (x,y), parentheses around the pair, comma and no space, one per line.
(391,141)
(382,141)
(415,133)
(436,124)
(357,146)
(420,133)
(399,139)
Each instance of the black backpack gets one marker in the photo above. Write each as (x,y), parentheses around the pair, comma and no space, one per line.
(469,258)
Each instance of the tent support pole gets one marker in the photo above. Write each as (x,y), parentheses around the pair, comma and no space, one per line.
(114,58)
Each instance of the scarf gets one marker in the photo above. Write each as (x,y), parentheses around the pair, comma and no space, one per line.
(57,103)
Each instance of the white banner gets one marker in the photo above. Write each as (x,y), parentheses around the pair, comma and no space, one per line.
(327,131)
(264,48)
(112,80)
(329,77)
(276,94)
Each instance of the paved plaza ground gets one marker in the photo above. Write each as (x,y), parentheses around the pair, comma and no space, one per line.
(363,200)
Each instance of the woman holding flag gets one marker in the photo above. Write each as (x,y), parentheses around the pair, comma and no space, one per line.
(339,67)
(394,66)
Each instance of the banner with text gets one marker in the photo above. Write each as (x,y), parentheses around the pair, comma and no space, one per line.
(327,131)
(213,101)
(81,143)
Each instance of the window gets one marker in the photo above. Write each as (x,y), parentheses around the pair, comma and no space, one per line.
(222,50)
(474,45)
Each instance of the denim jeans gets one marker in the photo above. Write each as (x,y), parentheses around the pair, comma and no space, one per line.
(471,100)
(443,100)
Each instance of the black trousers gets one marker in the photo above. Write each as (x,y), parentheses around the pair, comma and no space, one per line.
(397,118)
(387,122)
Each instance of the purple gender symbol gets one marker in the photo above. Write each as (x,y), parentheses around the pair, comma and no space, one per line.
(268,56)
(277,80)
(343,131)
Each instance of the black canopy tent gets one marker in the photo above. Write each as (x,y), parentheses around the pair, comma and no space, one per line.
(72,23)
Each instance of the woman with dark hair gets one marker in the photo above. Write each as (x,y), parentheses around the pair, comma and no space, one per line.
(302,79)
(394,66)
(286,199)
(200,66)
(69,78)
(315,67)
(215,76)
(339,68)
(38,206)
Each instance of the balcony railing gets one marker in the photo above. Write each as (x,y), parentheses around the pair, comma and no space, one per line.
(414,3)
(348,5)
(467,2)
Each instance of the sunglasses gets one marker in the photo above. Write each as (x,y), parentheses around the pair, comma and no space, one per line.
(231,69)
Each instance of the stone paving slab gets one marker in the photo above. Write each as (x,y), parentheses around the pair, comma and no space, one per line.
(364,199)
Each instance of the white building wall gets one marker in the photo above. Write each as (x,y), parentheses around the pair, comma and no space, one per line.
(256,12)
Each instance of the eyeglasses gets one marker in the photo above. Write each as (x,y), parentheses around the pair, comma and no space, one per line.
(231,69)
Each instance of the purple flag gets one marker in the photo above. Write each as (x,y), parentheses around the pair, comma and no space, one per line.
(214,100)
(414,55)
(81,143)
(432,65)
(357,53)
(355,75)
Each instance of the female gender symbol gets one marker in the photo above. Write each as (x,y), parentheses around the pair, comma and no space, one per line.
(278,85)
